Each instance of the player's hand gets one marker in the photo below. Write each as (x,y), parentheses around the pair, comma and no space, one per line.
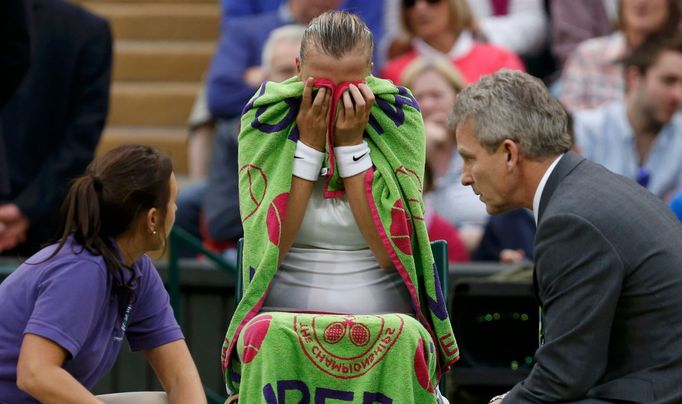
(352,115)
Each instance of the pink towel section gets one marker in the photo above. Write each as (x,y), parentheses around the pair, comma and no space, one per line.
(337,92)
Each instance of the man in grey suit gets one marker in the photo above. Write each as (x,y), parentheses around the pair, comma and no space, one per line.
(608,254)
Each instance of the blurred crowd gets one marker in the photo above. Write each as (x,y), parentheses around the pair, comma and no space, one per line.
(615,65)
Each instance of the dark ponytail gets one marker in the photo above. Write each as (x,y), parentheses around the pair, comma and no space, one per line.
(108,200)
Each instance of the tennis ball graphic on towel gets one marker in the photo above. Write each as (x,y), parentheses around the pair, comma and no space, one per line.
(275,218)
(252,197)
(421,369)
(334,332)
(254,334)
(401,230)
(359,334)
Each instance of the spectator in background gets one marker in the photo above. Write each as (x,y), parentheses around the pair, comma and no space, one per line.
(200,137)
(592,75)
(435,84)
(517,25)
(371,12)
(439,228)
(209,209)
(235,72)
(508,237)
(14,61)
(16,53)
(575,21)
(443,29)
(641,137)
(221,206)
(53,123)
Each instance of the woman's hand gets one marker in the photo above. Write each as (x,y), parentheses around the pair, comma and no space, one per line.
(312,116)
(352,115)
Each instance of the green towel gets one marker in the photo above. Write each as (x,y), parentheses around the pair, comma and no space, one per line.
(395,134)
(363,359)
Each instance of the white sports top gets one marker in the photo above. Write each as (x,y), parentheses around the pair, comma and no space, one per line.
(330,268)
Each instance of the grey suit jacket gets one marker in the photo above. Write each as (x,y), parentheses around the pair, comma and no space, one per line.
(608,270)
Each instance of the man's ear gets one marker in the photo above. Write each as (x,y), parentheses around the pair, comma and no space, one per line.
(512,154)
(298,67)
(632,77)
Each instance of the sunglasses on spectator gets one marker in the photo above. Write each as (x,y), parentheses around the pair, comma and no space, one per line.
(411,3)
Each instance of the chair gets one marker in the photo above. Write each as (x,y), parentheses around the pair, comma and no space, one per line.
(135,397)
(439,249)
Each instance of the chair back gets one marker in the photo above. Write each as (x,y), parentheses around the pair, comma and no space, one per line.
(135,397)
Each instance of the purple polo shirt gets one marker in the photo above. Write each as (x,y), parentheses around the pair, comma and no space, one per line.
(72,300)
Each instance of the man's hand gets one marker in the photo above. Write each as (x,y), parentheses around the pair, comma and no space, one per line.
(508,255)
(352,115)
(13,226)
(312,116)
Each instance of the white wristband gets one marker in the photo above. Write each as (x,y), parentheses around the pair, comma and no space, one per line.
(307,162)
(352,160)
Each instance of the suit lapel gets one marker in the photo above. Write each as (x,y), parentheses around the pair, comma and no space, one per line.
(568,162)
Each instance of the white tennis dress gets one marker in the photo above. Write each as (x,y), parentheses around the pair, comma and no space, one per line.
(330,268)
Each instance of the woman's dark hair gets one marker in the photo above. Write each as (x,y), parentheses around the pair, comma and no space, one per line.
(670,24)
(107,201)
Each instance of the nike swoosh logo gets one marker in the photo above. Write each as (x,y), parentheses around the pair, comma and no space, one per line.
(297,157)
(356,158)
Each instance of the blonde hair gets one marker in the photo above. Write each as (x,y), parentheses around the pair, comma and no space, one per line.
(461,17)
(441,66)
(336,33)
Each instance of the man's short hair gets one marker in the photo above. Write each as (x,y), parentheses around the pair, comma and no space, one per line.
(513,105)
(289,33)
(336,33)
(647,53)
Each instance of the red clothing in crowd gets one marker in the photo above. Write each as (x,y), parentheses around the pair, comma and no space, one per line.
(481,59)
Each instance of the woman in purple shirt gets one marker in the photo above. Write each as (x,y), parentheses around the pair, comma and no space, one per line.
(66,310)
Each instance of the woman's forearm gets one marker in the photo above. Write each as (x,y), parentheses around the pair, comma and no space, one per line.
(177,373)
(52,384)
(187,388)
(298,202)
